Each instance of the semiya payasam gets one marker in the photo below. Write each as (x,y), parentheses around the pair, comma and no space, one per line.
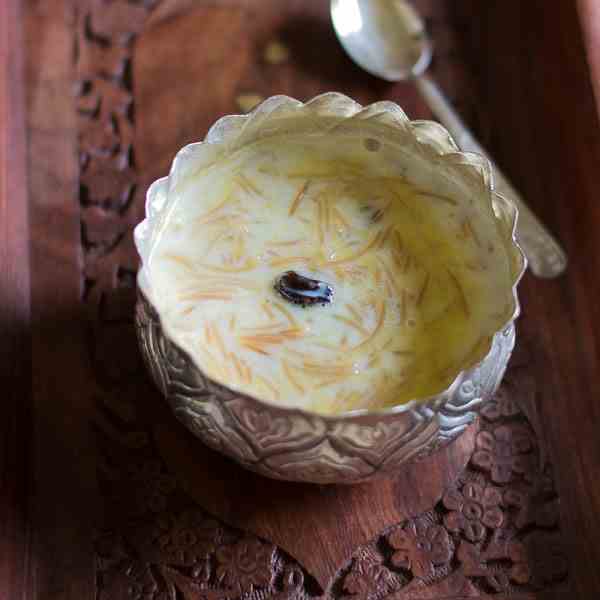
(312,274)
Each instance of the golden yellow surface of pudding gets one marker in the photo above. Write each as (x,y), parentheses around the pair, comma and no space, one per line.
(420,279)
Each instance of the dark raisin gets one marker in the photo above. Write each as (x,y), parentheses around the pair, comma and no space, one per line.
(301,290)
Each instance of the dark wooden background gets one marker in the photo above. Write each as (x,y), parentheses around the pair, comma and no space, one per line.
(96,480)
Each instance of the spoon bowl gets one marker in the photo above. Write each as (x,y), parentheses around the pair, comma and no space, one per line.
(384,37)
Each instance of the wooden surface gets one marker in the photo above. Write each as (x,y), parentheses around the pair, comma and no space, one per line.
(589,15)
(15,430)
(103,495)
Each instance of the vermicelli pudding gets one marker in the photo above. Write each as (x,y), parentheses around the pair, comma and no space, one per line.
(315,272)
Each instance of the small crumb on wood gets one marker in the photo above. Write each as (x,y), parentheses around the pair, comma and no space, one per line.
(276,53)
(246,102)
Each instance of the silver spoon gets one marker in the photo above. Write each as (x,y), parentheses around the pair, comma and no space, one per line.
(388,39)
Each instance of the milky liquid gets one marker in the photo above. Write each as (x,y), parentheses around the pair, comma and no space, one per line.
(421,281)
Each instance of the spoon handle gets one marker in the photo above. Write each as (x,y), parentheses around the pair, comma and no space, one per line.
(545,256)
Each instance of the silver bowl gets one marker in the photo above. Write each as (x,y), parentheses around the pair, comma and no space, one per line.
(292,444)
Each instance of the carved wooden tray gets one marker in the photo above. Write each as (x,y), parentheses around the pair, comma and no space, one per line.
(172,519)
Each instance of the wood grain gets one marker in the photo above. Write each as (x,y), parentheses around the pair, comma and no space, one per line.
(120,493)
(63,465)
(589,16)
(15,365)
(548,142)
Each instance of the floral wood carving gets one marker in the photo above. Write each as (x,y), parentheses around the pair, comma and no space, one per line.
(495,531)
